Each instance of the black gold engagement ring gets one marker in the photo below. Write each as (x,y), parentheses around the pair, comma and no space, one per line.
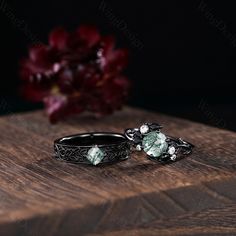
(156,145)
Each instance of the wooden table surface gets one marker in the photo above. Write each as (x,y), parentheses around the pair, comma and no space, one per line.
(42,196)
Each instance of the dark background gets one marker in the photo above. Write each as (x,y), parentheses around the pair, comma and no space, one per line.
(184,63)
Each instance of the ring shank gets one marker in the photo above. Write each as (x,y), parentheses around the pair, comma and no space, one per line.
(75,148)
(90,139)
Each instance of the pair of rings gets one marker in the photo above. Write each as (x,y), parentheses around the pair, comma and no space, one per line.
(105,148)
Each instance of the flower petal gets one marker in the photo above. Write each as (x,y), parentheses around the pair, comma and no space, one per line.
(66,81)
(33,93)
(117,60)
(55,107)
(58,38)
(115,91)
(107,44)
(42,57)
(88,34)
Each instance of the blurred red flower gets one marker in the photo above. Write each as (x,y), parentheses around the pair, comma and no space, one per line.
(77,71)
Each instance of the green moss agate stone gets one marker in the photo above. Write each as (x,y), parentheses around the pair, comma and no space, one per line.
(95,155)
(154,144)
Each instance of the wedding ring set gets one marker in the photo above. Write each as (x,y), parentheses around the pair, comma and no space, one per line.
(105,148)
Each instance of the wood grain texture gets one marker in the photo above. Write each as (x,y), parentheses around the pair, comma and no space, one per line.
(42,196)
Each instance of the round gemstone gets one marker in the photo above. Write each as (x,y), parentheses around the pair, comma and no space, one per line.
(144,129)
(95,155)
(154,144)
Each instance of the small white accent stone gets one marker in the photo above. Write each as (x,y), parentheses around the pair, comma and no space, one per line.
(144,129)
(138,147)
(171,150)
(173,157)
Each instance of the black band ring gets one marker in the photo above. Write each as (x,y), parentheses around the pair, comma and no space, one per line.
(157,145)
(92,148)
